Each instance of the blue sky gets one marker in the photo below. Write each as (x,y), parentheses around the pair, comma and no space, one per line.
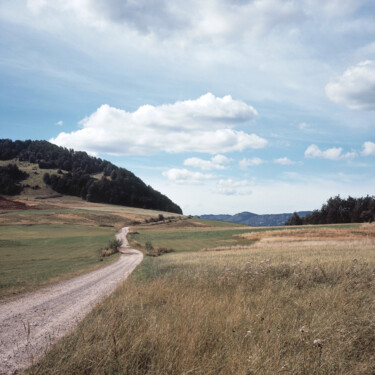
(225,106)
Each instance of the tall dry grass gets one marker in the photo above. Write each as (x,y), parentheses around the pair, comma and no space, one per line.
(266,309)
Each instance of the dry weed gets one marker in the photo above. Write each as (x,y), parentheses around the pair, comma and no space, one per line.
(265,309)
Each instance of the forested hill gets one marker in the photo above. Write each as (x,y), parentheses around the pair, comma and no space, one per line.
(79,174)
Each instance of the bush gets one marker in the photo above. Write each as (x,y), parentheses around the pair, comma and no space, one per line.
(149,246)
(112,248)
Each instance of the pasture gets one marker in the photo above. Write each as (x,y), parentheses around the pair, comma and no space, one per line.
(53,239)
(36,255)
(297,301)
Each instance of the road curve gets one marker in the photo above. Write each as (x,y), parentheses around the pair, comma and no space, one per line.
(30,324)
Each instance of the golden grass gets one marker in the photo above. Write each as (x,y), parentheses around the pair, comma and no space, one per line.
(314,234)
(254,310)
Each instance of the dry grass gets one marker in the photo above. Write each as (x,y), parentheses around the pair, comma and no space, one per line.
(334,233)
(254,310)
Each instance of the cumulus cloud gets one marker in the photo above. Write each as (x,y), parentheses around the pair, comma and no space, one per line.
(184,176)
(368,149)
(334,153)
(284,161)
(233,187)
(201,125)
(245,163)
(355,88)
(59,123)
(216,162)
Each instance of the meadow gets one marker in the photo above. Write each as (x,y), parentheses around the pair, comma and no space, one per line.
(54,239)
(33,256)
(295,301)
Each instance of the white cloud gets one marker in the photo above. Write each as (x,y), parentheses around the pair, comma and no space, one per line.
(36,6)
(284,161)
(184,176)
(201,125)
(356,87)
(191,18)
(216,162)
(368,149)
(232,187)
(245,163)
(60,123)
(334,153)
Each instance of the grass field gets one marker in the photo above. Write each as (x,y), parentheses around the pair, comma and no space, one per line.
(63,240)
(290,303)
(190,240)
(207,234)
(36,255)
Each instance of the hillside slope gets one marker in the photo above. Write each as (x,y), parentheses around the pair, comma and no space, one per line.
(76,173)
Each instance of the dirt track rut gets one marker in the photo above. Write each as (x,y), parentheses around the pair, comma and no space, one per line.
(30,324)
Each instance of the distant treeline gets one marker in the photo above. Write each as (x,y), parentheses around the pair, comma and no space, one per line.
(10,176)
(116,186)
(338,210)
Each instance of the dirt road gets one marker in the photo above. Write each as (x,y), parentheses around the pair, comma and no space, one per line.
(30,324)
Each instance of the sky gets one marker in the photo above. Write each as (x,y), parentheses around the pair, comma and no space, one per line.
(224,106)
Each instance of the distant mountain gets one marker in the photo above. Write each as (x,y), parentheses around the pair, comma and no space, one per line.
(74,173)
(249,218)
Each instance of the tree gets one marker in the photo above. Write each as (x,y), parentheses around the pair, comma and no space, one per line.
(294,220)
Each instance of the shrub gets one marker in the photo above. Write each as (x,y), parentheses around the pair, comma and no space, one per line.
(112,248)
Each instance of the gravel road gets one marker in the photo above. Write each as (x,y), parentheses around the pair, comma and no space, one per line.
(30,324)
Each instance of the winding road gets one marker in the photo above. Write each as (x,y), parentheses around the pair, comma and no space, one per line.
(30,324)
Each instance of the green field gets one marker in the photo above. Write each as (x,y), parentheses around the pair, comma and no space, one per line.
(36,255)
(192,240)
(216,235)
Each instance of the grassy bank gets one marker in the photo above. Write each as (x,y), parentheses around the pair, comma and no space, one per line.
(276,306)
(36,255)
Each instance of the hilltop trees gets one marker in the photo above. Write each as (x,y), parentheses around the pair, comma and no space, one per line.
(338,210)
(76,176)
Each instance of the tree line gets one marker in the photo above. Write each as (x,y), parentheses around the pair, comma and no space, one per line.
(338,210)
(50,156)
(116,186)
(10,177)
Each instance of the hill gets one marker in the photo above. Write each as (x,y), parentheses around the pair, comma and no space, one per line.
(249,218)
(40,167)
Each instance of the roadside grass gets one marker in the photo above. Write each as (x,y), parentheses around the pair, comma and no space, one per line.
(33,256)
(303,307)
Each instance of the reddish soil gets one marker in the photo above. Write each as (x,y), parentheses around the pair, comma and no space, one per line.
(9,204)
